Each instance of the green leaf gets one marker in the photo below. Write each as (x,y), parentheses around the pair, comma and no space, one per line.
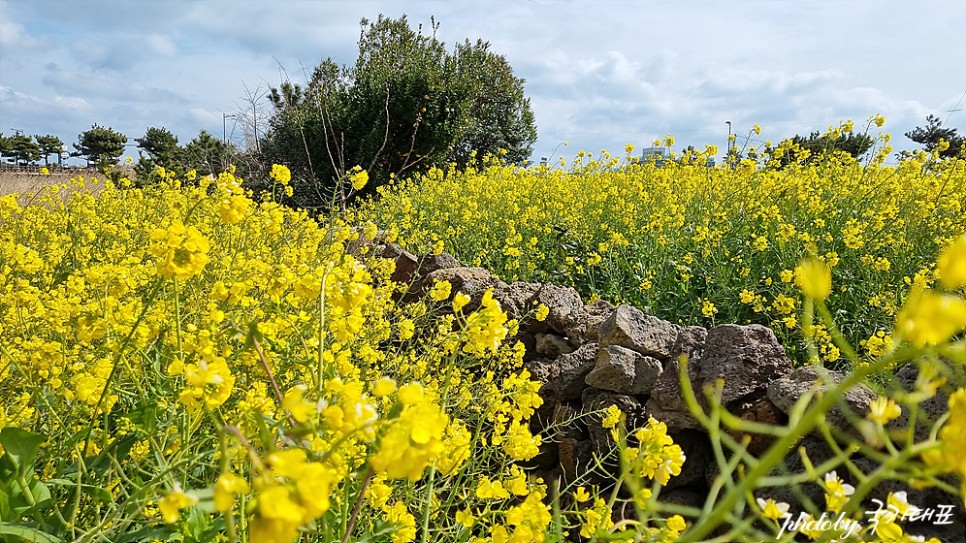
(26,533)
(5,511)
(147,534)
(21,446)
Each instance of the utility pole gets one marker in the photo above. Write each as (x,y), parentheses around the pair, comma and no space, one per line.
(224,135)
(728,152)
(224,127)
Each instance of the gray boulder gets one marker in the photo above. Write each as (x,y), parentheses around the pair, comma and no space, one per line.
(624,371)
(629,327)
(744,358)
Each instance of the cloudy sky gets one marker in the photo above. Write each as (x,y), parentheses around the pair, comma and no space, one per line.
(600,74)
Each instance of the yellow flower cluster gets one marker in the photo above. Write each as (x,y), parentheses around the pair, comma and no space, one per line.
(697,239)
(291,492)
(656,457)
(238,348)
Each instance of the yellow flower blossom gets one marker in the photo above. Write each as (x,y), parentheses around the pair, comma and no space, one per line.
(814,277)
(172,503)
(883,409)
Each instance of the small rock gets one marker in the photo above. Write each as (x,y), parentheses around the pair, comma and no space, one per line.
(548,344)
(629,327)
(465,280)
(587,327)
(622,370)
(406,263)
(572,370)
(690,342)
(764,412)
(603,442)
(430,263)
(786,391)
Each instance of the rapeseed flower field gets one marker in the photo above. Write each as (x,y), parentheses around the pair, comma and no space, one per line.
(699,245)
(194,362)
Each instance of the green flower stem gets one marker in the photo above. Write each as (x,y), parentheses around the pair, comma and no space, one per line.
(811,418)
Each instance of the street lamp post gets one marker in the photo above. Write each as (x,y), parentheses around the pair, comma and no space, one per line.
(224,127)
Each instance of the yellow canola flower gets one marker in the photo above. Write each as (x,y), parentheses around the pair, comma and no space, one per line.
(814,277)
(930,318)
(358,178)
(676,523)
(485,328)
(209,383)
(172,503)
(837,492)
(951,265)
(459,301)
(281,174)
(227,487)
(383,387)
(772,509)
(440,291)
(183,251)
(412,441)
(300,408)
(952,438)
(883,409)
(465,518)
(490,490)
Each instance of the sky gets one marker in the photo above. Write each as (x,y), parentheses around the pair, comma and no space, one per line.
(600,75)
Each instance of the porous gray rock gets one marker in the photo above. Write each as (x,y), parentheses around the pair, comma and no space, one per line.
(572,369)
(786,391)
(690,342)
(930,409)
(406,263)
(587,325)
(465,280)
(629,327)
(697,456)
(429,263)
(624,371)
(603,442)
(549,344)
(745,359)
(564,304)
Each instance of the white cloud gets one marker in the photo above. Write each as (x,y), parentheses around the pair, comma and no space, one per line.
(162,45)
(12,34)
(72,102)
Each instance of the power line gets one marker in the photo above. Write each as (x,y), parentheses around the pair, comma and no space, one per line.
(955,108)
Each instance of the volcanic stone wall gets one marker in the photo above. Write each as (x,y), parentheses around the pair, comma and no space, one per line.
(591,356)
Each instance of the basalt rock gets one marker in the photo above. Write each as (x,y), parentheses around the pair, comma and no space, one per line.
(630,328)
(786,391)
(622,370)
(745,359)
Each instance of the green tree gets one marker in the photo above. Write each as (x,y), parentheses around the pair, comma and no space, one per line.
(934,132)
(100,145)
(498,116)
(5,146)
(24,149)
(161,147)
(406,103)
(820,144)
(48,146)
(205,154)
